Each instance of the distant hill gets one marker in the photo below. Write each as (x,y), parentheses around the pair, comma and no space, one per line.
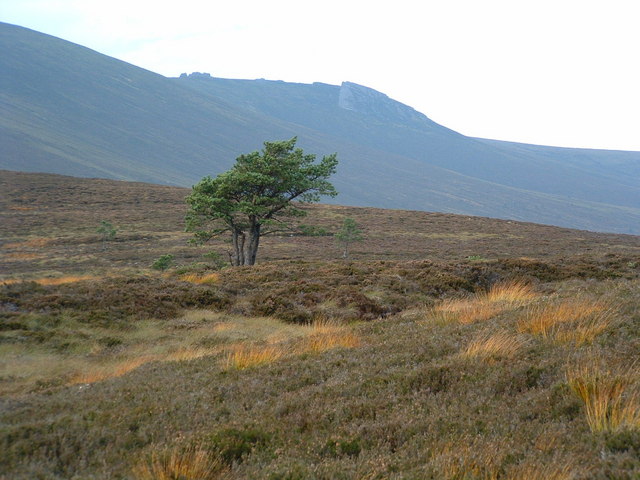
(67,109)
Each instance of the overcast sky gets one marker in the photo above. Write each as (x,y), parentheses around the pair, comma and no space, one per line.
(552,72)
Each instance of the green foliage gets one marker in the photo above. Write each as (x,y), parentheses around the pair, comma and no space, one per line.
(624,440)
(162,262)
(312,231)
(215,259)
(340,447)
(348,234)
(107,230)
(233,444)
(255,196)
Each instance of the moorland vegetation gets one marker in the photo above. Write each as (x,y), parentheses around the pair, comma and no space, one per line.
(445,347)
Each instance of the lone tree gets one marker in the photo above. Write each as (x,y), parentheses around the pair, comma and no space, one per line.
(255,196)
(348,234)
(108,232)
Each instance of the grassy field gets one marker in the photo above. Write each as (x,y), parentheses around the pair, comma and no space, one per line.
(448,347)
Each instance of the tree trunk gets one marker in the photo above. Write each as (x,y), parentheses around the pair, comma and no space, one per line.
(254,241)
(238,239)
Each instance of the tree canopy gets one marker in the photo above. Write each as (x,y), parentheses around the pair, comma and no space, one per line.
(257,195)
(348,234)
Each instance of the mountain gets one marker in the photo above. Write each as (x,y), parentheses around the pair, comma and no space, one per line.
(70,110)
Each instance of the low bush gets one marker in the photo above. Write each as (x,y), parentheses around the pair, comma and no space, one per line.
(234,444)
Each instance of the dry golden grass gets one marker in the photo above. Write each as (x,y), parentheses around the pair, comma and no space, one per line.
(179,464)
(463,311)
(465,461)
(242,342)
(537,471)
(22,256)
(65,279)
(481,460)
(609,401)
(576,320)
(36,242)
(322,342)
(194,335)
(514,293)
(186,354)
(106,371)
(326,334)
(209,278)
(20,209)
(51,280)
(463,471)
(493,347)
(483,306)
(319,337)
(245,357)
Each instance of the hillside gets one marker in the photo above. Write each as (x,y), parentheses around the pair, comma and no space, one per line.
(451,347)
(69,110)
(50,221)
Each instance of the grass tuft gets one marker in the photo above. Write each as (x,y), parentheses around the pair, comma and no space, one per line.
(463,311)
(244,357)
(514,293)
(206,279)
(609,407)
(51,280)
(327,341)
(189,353)
(577,320)
(321,336)
(106,371)
(537,471)
(179,464)
(462,462)
(490,348)
(482,306)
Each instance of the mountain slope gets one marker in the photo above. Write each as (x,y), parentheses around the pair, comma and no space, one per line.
(67,109)
(358,113)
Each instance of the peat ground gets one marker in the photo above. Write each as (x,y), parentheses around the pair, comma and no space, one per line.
(447,347)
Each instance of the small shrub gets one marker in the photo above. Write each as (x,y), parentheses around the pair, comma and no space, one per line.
(349,233)
(215,260)
(107,232)
(192,268)
(232,444)
(312,231)
(110,342)
(162,262)
(340,448)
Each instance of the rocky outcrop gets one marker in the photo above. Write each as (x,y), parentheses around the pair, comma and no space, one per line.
(368,101)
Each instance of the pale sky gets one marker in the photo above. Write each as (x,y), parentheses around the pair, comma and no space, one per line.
(550,72)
